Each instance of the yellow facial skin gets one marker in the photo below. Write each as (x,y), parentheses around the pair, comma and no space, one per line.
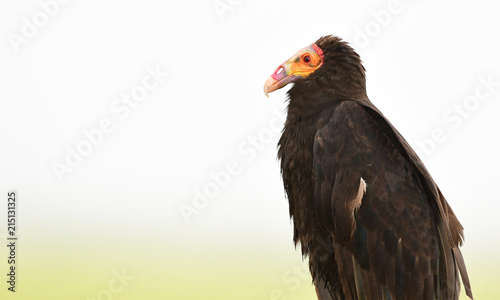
(304,62)
(300,65)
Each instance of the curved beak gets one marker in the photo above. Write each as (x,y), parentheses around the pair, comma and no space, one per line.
(279,79)
(270,86)
(295,68)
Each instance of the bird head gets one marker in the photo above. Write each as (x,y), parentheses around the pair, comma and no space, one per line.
(300,65)
(328,62)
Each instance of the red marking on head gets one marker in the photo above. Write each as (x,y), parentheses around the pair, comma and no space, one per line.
(319,51)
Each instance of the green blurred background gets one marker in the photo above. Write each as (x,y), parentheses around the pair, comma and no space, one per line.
(115,227)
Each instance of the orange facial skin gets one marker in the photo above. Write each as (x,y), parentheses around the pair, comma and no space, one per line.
(300,65)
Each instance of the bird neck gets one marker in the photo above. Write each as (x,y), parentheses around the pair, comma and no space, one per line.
(309,100)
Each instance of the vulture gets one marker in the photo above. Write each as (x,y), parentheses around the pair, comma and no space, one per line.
(365,210)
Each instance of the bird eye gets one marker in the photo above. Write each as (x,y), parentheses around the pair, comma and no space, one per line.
(306,58)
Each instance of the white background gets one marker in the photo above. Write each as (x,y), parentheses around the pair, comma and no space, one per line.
(423,58)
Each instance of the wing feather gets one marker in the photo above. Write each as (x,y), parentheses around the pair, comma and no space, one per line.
(391,236)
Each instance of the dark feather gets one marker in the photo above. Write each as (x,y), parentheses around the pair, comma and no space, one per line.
(401,241)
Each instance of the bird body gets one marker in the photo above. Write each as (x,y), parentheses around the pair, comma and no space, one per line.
(365,209)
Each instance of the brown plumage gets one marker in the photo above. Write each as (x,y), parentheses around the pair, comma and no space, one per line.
(365,209)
